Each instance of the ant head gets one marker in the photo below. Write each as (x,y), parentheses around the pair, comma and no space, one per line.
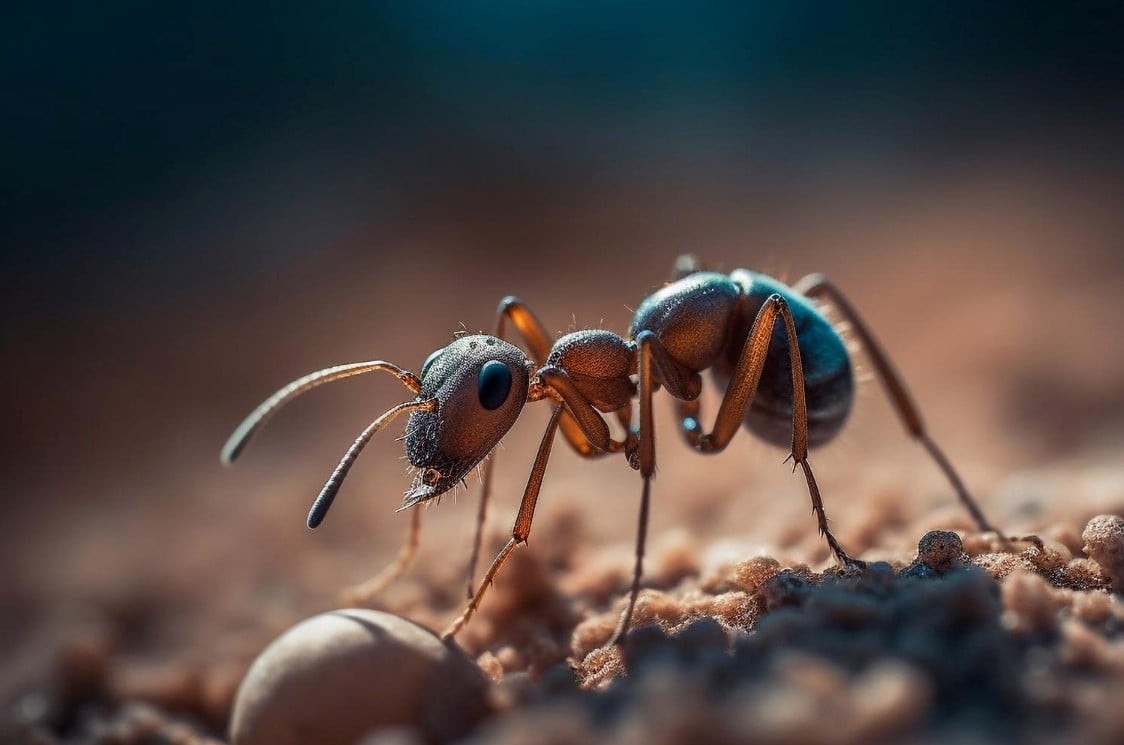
(480,386)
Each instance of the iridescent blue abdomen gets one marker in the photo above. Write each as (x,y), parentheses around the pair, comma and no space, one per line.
(829,384)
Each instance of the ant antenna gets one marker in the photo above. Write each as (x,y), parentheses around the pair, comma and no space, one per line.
(251,424)
(335,481)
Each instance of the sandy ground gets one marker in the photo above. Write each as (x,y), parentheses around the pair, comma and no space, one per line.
(139,570)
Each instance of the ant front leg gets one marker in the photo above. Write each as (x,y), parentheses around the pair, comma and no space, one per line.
(817,286)
(558,387)
(539,342)
(522,528)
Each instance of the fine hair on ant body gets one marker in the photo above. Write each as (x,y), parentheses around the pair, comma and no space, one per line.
(785,369)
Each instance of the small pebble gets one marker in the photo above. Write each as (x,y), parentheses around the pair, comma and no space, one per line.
(336,677)
(1046,559)
(1104,544)
(939,550)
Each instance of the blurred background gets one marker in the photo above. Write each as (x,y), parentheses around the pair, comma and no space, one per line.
(202,203)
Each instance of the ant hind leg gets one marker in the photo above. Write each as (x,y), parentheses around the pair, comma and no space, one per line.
(739,396)
(817,286)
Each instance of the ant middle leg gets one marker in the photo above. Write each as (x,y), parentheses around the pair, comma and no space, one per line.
(655,367)
(522,528)
(645,459)
(817,286)
(568,400)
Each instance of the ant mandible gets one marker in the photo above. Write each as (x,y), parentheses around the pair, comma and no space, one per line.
(785,368)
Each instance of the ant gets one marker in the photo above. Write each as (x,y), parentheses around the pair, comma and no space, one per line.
(785,369)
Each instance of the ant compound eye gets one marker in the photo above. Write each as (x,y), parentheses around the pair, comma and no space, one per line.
(493,384)
(429,361)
